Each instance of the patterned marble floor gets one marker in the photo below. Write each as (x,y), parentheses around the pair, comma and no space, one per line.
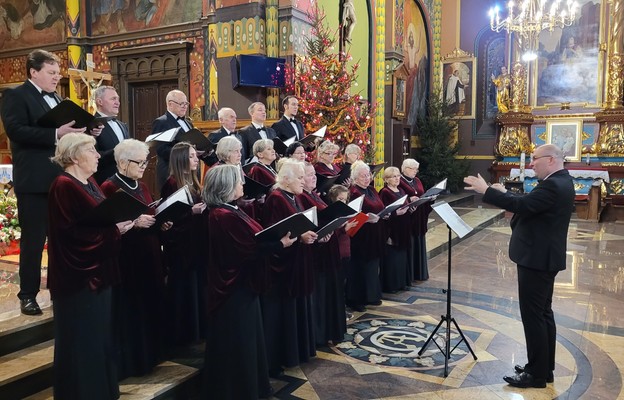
(379,361)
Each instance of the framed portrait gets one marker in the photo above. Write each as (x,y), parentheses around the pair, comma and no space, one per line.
(569,63)
(458,84)
(399,92)
(566,134)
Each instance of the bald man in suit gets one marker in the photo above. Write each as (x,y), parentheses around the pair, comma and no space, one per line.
(539,231)
(174,117)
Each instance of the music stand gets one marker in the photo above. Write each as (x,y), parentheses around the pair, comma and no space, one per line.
(455,224)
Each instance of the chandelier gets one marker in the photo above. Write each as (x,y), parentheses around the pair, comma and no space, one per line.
(531,17)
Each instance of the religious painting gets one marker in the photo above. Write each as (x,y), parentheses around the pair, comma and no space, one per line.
(120,16)
(566,134)
(568,60)
(398,91)
(31,23)
(416,59)
(491,59)
(458,77)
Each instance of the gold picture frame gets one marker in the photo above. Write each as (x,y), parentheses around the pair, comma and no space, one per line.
(399,95)
(458,82)
(567,135)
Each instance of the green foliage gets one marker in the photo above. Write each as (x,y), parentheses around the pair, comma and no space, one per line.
(438,151)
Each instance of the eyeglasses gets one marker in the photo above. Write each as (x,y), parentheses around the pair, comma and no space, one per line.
(141,164)
(181,104)
(537,158)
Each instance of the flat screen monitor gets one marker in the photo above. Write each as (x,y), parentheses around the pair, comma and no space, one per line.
(258,71)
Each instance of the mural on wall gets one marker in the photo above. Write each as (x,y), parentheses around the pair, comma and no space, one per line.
(28,23)
(416,59)
(567,66)
(119,16)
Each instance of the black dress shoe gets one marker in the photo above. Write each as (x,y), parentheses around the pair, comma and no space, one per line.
(376,303)
(525,380)
(549,379)
(30,307)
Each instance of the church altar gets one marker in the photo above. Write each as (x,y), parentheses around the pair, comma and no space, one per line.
(587,185)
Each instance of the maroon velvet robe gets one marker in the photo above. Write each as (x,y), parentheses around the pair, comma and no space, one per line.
(369,241)
(413,187)
(323,169)
(78,255)
(261,173)
(184,242)
(398,226)
(139,300)
(141,257)
(235,258)
(326,255)
(295,261)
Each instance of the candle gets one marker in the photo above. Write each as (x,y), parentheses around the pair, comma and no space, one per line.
(522,162)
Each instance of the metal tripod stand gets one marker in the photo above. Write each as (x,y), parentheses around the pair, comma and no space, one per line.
(448,319)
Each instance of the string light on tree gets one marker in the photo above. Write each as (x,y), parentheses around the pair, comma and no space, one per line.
(322,81)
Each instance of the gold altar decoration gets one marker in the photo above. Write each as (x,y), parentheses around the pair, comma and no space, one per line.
(611,137)
(518,88)
(615,85)
(514,137)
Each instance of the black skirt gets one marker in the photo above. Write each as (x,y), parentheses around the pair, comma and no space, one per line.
(84,357)
(236,366)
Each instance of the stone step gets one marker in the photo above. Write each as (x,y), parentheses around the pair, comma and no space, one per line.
(26,371)
(21,331)
(169,380)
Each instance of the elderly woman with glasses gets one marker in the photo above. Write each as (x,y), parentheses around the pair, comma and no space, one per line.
(83,267)
(262,171)
(139,298)
(367,245)
(413,187)
(235,270)
(325,155)
(184,246)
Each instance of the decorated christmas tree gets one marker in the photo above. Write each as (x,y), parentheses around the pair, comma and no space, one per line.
(325,86)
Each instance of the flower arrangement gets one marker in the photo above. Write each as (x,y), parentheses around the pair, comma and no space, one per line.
(9,224)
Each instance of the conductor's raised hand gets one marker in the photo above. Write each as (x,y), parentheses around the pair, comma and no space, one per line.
(476,183)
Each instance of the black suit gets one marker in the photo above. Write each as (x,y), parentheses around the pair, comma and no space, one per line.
(249,136)
(538,246)
(33,172)
(161,124)
(214,137)
(105,144)
(285,130)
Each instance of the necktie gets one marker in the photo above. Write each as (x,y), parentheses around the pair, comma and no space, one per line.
(293,120)
(261,129)
(181,118)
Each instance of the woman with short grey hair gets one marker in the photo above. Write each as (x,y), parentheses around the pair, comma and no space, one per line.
(138,321)
(234,269)
(413,187)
